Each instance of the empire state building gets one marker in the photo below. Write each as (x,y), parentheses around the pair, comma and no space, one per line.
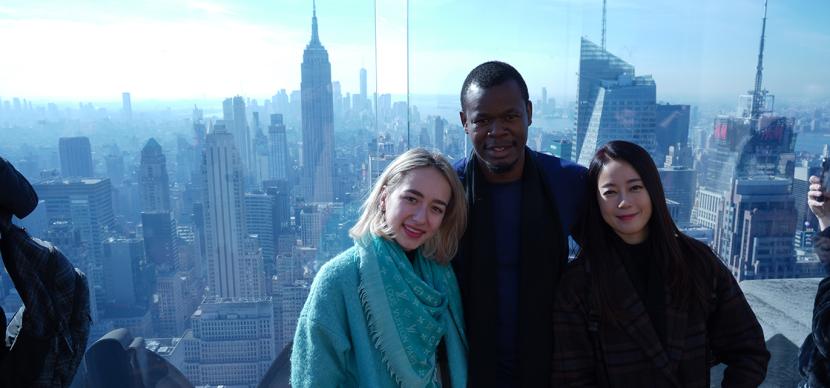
(317,120)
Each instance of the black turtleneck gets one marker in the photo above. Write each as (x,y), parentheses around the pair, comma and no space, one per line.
(645,275)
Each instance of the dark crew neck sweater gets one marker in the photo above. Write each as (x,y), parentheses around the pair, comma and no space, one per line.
(645,275)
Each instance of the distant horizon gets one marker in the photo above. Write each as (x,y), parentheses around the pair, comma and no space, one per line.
(418,100)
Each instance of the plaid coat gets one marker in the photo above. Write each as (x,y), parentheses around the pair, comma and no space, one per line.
(625,351)
(46,339)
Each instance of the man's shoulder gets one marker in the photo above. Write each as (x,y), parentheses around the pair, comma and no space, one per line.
(459,166)
(556,165)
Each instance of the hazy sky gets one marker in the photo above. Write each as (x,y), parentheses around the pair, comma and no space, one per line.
(170,49)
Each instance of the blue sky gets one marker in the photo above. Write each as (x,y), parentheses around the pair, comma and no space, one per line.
(180,49)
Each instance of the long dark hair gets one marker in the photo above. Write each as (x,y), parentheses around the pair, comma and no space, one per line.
(683,262)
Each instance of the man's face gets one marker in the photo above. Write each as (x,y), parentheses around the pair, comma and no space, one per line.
(496,119)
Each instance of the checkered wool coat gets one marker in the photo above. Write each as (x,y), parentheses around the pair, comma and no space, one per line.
(625,351)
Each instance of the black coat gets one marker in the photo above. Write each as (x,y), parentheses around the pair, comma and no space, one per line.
(16,194)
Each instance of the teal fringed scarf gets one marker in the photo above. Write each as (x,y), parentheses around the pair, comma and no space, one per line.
(410,307)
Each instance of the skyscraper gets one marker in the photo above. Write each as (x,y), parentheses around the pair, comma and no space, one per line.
(671,128)
(260,221)
(160,240)
(595,66)
(76,157)
(228,270)
(87,205)
(363,91)
(236,123)
(260,150)
(745,187)
(624,109)
(126,106)
(439,133)
(154,184)
(242,134)
(278,144)
(233,342)
(317,120)
(125,275)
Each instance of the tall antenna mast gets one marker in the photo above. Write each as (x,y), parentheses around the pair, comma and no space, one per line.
(603,25)
(758,94)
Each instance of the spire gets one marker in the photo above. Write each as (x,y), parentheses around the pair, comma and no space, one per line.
(603,25)
(315,38)
(759,94)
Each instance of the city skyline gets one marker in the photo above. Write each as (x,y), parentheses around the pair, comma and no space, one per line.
(172,51)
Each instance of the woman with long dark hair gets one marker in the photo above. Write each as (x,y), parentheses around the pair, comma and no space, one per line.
(644,305)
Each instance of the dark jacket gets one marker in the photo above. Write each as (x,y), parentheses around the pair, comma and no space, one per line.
(552,195)
(45,341)
(16,194)
(625,351)
(814,358)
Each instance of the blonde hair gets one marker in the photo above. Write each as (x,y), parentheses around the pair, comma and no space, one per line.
(442,246)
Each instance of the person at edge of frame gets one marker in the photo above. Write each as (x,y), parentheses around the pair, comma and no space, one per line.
(522,207)
(814,356)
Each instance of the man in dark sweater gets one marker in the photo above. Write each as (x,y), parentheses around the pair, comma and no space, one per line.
(522,207)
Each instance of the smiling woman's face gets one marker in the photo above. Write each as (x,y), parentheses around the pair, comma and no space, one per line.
(624,201)
(415,208)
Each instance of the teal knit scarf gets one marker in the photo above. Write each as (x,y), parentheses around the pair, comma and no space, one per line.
(410,307)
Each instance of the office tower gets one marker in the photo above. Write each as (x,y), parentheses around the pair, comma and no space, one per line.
(126,275)
(363,90)
(679,186)
(278,144)
(236,123)
(294,113)
(595,66)
(671,128)
(317,120)
(260,221)
(160,246)
(86,203)
(376,166)
(174,303)
(279,102)
(758,242)
(115,168)
(423,138)
(624,109)
(561,148)
(337,100)
(153,182)
(260,149)
(229,270)
(438,130)
(384,108)
(232,343)
(292,297)
(126,106)
(76,157)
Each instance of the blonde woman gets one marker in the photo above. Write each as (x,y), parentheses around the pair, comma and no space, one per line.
(387,311)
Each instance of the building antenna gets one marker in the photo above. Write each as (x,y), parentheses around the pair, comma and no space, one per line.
(603,24)
(758,94)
